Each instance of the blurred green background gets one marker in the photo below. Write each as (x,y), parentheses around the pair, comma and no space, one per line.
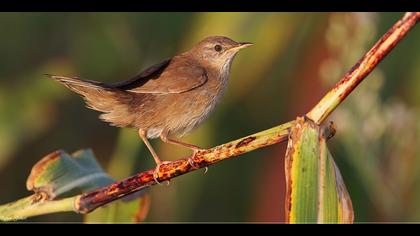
(295,59)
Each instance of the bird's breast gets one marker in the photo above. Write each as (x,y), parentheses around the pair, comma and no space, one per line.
(196,106)
(182,112)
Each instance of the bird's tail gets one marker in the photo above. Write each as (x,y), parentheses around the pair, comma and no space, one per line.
(100,97)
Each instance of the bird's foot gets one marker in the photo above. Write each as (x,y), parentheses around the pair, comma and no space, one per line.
(191,159)
(156,172)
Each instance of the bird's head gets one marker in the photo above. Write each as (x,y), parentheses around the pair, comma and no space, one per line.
(217,51)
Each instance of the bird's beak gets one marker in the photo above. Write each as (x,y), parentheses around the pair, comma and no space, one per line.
(242,45)
(245,44)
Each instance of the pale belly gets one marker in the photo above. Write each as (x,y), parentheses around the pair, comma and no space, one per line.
(181,113)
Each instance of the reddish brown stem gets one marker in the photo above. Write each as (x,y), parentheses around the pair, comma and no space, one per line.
(89,201)
(362,68)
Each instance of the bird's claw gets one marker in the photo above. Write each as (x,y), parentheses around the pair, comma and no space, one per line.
(193,164)
(156,172)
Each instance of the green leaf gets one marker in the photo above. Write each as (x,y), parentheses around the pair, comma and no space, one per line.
(335,202)
(315,191)
(59,173)
(54,175)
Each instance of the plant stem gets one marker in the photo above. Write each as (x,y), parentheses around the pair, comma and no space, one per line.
(362,68)
(89,201)
(34,205)
(38,204)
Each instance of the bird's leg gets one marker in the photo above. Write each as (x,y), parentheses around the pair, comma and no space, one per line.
(164,137)
(143,136)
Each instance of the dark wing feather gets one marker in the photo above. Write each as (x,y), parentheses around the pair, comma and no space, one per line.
(143,77)
(169,76)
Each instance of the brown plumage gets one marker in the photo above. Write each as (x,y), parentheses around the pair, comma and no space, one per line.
(172,97)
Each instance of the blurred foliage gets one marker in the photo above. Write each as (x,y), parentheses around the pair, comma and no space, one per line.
(296,58)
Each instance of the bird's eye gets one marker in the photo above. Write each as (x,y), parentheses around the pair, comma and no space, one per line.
(218,48)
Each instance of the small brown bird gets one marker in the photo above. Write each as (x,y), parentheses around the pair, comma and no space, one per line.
(172,97)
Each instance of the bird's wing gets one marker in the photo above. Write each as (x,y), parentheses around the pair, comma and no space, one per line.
(166,77)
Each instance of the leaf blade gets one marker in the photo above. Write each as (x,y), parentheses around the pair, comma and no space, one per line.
(315,190)
(59,172)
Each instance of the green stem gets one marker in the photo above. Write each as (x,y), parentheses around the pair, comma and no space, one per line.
(37,205)
(34,205)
